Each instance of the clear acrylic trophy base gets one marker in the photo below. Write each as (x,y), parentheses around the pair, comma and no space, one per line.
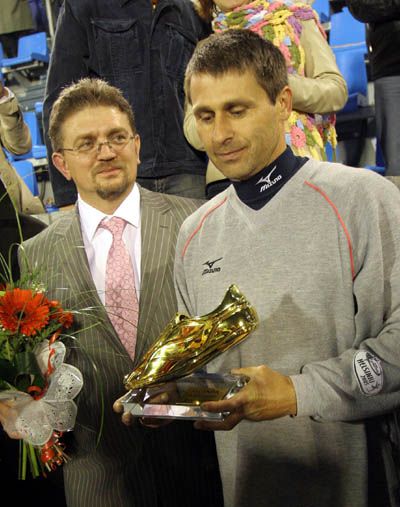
(181,398)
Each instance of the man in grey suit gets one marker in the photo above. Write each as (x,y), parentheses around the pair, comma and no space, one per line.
(96,145)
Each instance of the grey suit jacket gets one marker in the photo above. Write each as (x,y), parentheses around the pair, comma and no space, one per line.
(113,465)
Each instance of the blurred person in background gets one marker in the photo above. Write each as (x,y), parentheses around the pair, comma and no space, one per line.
(15,21)
(16,138)
(142,48)
(383,38)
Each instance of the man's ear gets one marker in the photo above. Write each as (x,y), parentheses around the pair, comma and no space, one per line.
(59,162)
(136,142)
(284,102)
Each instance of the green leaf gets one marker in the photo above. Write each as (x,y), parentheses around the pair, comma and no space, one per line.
(33,461)
(4,386)
(22,462)
(8,372)
(28,371)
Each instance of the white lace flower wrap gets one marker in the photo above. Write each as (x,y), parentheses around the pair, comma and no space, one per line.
(35,420)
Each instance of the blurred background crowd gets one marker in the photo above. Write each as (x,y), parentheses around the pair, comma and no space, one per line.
(345,81)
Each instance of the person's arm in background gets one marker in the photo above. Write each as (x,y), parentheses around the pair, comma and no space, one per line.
(190,131)
(189,128)
(67,64)
(370,11)
(14,133)
(16,138)
(323,88)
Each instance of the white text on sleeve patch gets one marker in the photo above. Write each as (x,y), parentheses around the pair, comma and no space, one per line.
(369,373)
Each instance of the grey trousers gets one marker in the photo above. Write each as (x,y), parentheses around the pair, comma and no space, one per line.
(387,111)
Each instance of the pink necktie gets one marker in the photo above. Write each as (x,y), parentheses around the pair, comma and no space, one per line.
(121,299)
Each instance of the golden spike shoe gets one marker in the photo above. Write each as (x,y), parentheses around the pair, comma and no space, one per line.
(188,343)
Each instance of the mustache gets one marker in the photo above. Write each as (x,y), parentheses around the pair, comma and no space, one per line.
(99,168)
(225,151)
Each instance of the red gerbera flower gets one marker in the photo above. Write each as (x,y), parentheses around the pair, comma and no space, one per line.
(23,311)
(58,313)
(66,319)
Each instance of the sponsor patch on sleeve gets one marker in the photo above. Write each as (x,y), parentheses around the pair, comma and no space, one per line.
(369,372)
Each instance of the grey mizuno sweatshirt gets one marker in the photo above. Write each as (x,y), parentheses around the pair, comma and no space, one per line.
(320,263)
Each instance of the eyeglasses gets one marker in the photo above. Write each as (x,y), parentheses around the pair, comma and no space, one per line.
(116,142)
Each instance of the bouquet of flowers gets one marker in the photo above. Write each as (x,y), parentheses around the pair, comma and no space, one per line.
(35,382)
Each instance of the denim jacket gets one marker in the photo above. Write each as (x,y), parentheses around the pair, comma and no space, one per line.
(142,51)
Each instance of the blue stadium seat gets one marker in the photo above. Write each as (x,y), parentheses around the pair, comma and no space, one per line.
(345,30)
(354,122)
(27,172)
(38,108)
(322,7)
(376,168)
(38,147)
(351,63)
(31,48)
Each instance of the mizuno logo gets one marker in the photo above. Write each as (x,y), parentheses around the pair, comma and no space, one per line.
(210,268)
(267,180)
(210,264)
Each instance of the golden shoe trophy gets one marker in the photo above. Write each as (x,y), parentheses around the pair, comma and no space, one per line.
(169,382)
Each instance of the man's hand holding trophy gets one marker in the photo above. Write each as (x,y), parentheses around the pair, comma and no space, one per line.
(170,381)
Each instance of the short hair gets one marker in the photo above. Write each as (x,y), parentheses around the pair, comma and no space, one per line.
(239,50)
(85,93)
(206,9)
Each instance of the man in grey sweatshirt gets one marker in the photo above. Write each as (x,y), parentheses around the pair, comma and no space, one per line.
(315,247)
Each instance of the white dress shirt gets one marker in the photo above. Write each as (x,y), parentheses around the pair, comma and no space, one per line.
(98,241)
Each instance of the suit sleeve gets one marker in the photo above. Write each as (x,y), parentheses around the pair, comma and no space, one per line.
(323,88)
(364,380)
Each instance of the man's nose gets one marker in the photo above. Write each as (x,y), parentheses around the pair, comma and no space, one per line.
(105,151)
(222,131)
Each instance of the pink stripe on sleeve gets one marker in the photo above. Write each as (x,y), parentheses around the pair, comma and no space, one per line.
(201,225)
(345,230)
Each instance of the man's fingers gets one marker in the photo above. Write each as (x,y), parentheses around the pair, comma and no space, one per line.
(7,413)
(127,418)
(118,407)
(227,424)
(159,398)
(232,404)
(14,435)
(7,418)
(154,422)
(247,372)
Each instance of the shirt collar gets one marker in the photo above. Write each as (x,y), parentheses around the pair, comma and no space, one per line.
(261,187)
(91,217)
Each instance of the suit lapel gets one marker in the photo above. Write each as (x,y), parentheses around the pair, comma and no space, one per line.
(73,261)
(157,248)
